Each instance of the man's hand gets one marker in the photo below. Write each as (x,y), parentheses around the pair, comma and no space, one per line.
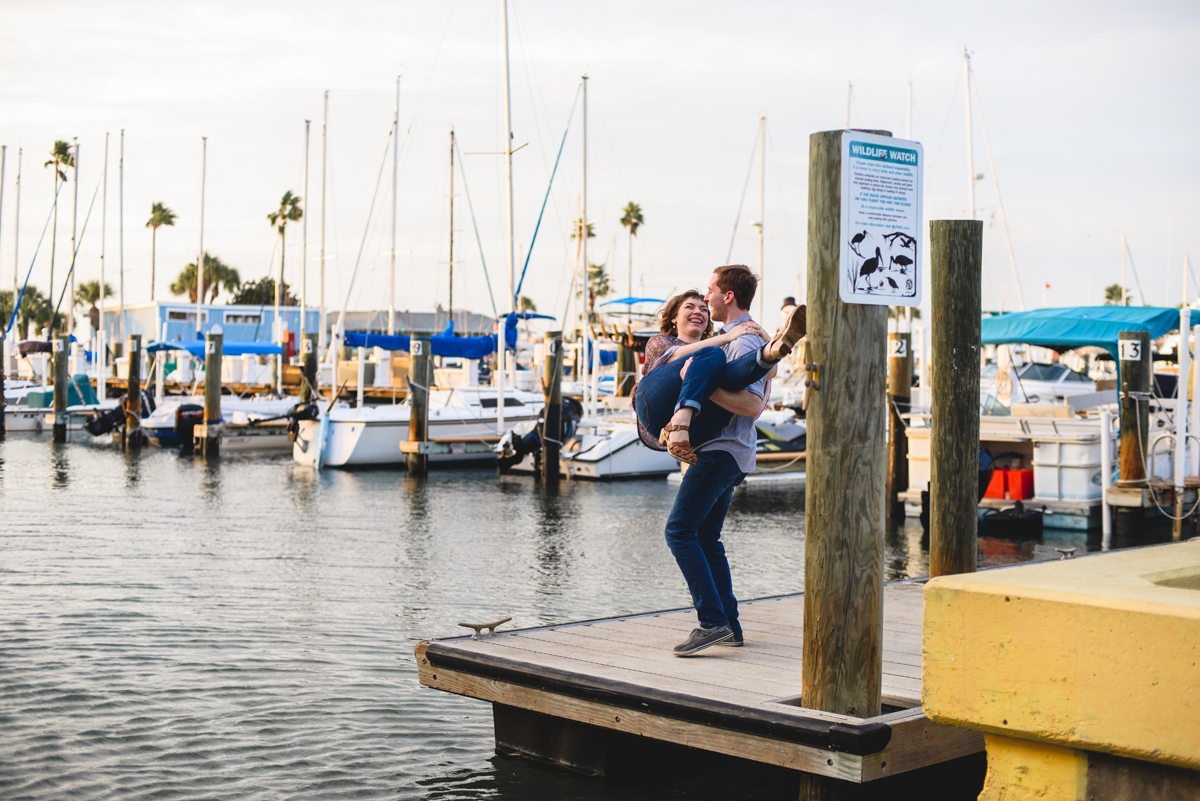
(743,402)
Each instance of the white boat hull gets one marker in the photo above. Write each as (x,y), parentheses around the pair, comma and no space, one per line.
(371,436)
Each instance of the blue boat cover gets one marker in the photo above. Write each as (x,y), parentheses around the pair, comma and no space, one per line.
(445,343)
(631,301)
(229,347)
(1080,326)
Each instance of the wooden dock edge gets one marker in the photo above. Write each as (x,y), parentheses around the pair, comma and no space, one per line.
(852,750)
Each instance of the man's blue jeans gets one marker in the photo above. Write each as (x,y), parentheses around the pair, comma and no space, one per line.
(661,392)
(694,536)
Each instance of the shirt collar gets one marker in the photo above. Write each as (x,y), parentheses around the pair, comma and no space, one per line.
(745,318)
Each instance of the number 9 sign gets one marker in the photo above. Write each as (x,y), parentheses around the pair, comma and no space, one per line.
(418,347)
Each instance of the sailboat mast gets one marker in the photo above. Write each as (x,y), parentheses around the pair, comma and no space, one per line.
(74,248)
(304,247)
(762,210)
(970,150)
(1124,300)
(395,188)
(101,344)
(588,393)
(451,281)
(501,342)
(3,338)
(17,230)
(987,144)
(200,258)
(849,95)
(121,238)
(324,123)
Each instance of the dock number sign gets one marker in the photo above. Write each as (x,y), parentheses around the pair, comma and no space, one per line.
(882,189)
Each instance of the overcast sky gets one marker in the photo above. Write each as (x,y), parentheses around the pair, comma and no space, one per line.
(1091,112)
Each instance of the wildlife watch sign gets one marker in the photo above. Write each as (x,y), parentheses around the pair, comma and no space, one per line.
(882,183)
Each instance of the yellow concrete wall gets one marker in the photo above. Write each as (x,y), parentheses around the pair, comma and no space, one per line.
(1022,770)
(1087,653)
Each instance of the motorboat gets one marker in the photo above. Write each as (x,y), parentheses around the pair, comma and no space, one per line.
(170,424)
(362,436)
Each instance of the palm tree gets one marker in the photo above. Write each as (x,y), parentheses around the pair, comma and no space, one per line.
(632,220)
(60,154)
(88,294)
(159,215)
(217,274)
(598,286)
(35,310)
(525,304)
(289,211)
(1113,294)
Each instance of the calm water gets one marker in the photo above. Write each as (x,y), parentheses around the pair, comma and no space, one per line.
(245,630)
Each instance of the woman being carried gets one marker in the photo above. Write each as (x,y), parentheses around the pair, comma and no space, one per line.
(686,363)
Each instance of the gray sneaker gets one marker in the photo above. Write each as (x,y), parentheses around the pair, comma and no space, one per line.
(703,638)
(736,641)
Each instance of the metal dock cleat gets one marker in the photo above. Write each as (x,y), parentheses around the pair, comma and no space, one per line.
(1066,553)
(484,629)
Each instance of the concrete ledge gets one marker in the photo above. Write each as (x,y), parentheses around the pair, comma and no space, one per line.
(1100,654)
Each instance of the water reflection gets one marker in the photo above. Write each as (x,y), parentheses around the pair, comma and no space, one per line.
(554,554)
(62,465)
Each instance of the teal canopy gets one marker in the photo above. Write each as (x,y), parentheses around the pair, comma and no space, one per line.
(1081,326)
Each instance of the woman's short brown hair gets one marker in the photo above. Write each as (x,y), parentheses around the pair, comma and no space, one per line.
(666,317)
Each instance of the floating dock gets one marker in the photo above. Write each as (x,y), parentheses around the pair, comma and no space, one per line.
(557,691)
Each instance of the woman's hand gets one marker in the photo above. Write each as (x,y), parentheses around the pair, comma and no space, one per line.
(742,330)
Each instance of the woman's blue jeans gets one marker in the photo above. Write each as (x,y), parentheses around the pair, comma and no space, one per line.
(662,392)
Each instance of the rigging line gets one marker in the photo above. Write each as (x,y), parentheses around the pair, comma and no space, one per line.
(1136,277)
(74,254)
(946,125)
(529,252)
(21,296)
(483,259)
(996,183)
(366,231)
(738,219)
(782,205)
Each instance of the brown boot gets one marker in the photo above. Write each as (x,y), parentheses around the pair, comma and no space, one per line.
(792,332)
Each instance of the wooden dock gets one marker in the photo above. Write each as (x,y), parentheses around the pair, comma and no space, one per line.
(558,690)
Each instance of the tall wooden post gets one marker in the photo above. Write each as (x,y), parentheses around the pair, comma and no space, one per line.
(1133,354)
(843,579)
(62,346)
(552,424)
(626,370)
(133,394)
(208,436)
(418,393)
(956,281)
(899,402)
(308,390)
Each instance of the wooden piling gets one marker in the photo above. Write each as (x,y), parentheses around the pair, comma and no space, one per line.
(418,393)
(62,347)
(1136,373)
(552,416)
(956,273)
(843,599)
(308,387)
(626,370)
(208,436)
(133,395)
(899,402)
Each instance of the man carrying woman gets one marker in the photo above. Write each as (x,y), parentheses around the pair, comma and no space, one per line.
(702,393)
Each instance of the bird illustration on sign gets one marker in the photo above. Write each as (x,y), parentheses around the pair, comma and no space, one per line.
(884,264)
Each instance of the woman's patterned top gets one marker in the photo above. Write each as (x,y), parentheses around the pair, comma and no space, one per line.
(658,351)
